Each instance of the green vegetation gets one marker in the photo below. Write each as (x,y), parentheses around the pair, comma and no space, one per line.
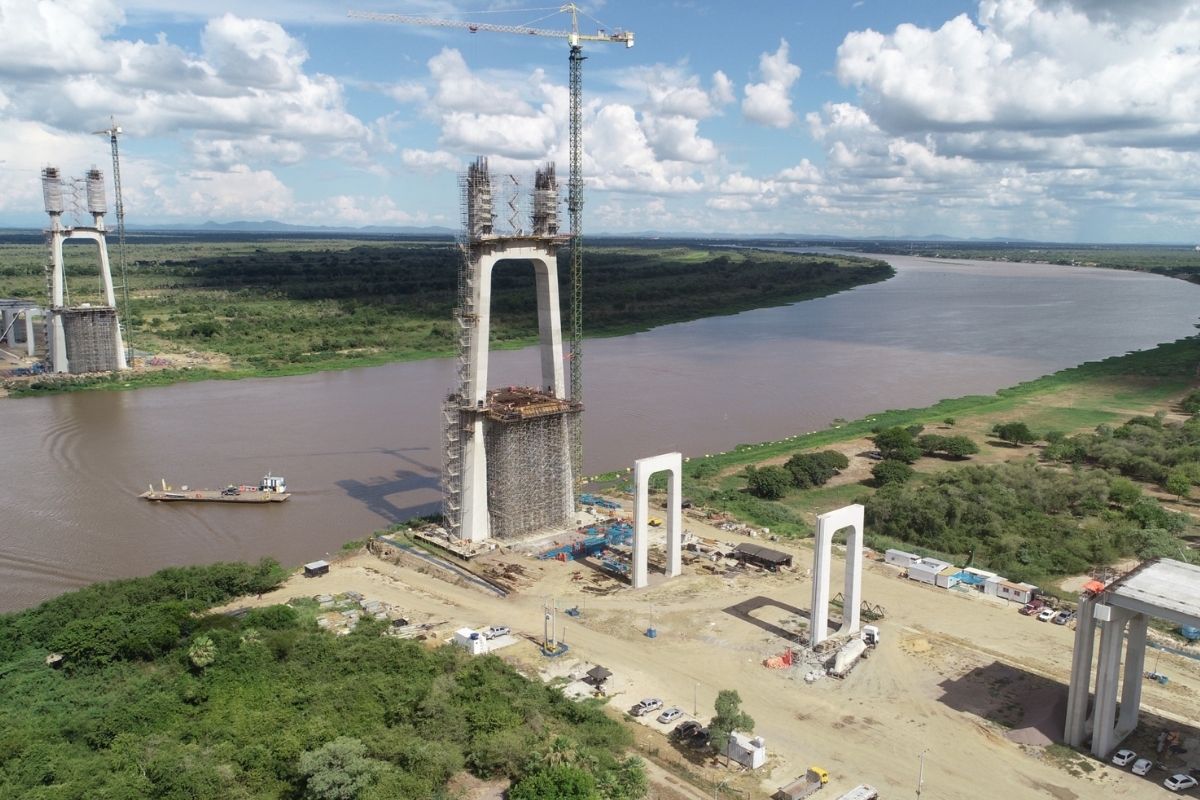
(282,306)
(158,698)
(815,469)
(1026,520)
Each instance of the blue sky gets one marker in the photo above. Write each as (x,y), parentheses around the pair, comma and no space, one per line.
(1068,120)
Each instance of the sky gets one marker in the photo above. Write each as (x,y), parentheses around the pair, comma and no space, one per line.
(1056,120)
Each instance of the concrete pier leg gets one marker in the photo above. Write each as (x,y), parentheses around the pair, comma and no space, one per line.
(822,555)
(550,325)
(1131,683)
(675,517)
(6,319)
(852,591)
(1108,675)
(1079,693)
(30,344)
(641,544)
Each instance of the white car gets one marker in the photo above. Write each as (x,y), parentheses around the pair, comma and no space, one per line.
(671,714)
(1122,757)
(1047,614)
(1179,781)
(1142,766)
(496,631)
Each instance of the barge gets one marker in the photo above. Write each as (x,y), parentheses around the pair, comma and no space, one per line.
(271,489)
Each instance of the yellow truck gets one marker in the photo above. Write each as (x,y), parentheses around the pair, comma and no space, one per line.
(806,785)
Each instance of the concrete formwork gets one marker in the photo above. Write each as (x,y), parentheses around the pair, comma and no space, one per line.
(827,525)
(1164,589)
(643,468)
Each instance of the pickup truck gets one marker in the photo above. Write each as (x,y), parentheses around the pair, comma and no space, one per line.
(646,706)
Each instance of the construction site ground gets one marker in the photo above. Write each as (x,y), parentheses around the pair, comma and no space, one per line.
(965,678)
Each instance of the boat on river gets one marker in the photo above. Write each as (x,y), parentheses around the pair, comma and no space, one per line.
(271,489)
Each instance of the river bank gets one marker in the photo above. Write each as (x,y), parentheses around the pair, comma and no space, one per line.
(279,309)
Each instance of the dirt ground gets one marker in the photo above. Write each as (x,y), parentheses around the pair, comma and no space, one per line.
(964,678)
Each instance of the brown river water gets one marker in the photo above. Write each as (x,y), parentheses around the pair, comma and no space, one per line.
(360,447)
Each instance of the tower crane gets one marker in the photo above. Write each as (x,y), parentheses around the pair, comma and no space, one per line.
(575,40)
(112,132)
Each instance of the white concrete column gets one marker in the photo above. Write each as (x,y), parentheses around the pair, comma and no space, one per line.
(1131,683)
(30,349)
(641,513)
(1079,693)
(550,325)
(822,554)
(675,516)
(476,523)
(1112,640)
(852,593)
(58,340)
(6,319)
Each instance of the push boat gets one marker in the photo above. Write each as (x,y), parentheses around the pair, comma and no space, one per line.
(271,489)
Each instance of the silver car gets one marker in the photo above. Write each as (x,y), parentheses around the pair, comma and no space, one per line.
(671,714)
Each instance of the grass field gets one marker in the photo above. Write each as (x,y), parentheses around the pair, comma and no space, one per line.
(282,306)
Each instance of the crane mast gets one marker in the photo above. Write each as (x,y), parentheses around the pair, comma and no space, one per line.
(575,181)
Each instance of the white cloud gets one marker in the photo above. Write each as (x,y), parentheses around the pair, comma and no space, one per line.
(769,103)
(722,93)
(237,193)
(430,160)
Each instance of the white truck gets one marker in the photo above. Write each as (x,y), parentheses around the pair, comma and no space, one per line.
(861,792)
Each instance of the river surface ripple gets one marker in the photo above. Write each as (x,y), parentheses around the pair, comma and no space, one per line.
(360,447)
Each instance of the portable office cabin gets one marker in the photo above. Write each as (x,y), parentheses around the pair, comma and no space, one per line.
(899,558)
(315,568)
(926,570)
(470,640)
(1017,592)
(947,578)
(749,751)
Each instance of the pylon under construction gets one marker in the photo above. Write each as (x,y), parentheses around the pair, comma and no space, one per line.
(506,469)
(83,338)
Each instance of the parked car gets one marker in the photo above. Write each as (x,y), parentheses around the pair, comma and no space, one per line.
(1046,614)
(1122,757)
(1031,607)
(1179,781)
(1142,766)
(671,714)
(646,706)
(1063,617)
(496,631)
(686,730)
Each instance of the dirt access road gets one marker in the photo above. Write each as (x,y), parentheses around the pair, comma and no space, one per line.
(955,676)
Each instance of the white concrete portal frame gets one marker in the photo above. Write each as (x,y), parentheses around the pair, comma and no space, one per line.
(643,468)
(827,525)
(1165,589)
(543,253)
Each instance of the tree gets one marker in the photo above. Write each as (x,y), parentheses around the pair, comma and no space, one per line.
(769,483)
(949,421)
(1178,483)
(1123,492)
(897,444)
(729,718)
(959,446)
(891,471)
(563,782)
(1014,432)
(337,770)
(815,469)
(202,652)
